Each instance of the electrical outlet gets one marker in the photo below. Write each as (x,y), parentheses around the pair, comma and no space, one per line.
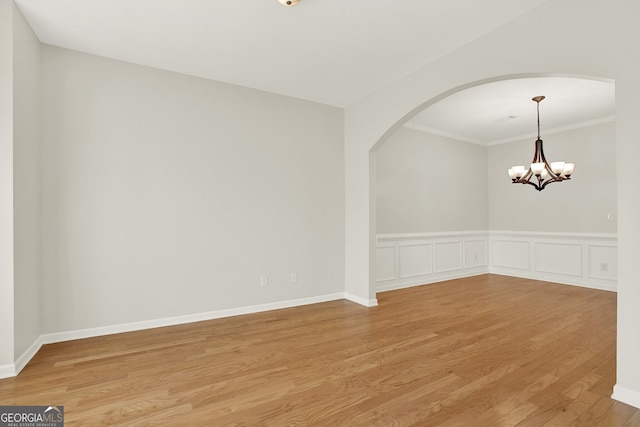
(293,278)
(264,281)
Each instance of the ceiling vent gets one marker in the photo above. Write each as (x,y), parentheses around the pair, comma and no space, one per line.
(505,119)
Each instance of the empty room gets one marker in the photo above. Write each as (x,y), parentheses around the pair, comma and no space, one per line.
(319,212)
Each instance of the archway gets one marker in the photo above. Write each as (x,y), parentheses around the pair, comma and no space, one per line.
(390,258)
(426,104)
(594,47)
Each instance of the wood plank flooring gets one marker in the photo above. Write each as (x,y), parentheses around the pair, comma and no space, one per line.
(483,351)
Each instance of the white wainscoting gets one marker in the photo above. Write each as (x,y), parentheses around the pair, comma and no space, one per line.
(404,260)
(581,259)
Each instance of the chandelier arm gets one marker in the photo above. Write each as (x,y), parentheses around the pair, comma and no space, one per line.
(536,151)
(533,184)
(539,152)
(545,184)
(541,182)
(552,175)
(552,180)
(539,157)
(550,171)
(543,159)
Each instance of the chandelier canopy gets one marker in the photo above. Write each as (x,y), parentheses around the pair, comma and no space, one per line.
(541,173)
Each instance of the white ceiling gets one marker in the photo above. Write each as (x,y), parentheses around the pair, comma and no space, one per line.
(329,51)
(504,112)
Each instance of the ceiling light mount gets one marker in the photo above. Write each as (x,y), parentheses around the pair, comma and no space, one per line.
(541,173)
(288,3)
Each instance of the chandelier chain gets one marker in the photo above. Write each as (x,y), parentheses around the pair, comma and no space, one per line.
(538,105)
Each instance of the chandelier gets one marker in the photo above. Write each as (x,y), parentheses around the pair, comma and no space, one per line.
(541,173)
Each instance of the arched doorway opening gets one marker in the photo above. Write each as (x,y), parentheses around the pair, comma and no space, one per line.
(399,264)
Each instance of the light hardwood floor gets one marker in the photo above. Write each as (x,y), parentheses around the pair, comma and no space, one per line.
(483,351)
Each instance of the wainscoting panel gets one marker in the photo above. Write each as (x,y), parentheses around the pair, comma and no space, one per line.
(415,259)
(579,259)
(475,253)
(448,256)
(558,258)
(386,262)
(512,254)
(603,262)
(406,260)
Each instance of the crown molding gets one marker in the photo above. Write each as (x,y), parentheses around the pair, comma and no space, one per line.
(573,126)
(432,131)
(552,131)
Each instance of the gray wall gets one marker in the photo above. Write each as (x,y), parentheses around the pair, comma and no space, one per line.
(578,205)
(418,192)
(167,195)
(26,128)
(430,183)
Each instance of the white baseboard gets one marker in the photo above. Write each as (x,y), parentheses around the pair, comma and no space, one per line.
(189,318)
(7,371)
(402,284)
(361,301)
(572,281)
(11,370)
(27,355)
(625,395)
